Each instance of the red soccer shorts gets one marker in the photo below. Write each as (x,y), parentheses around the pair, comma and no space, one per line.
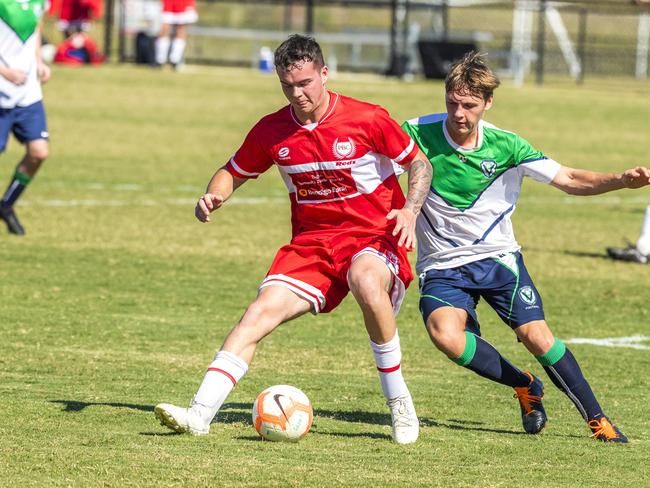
(315,266)
(179,12)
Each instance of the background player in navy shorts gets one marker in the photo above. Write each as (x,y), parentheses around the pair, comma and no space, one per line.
(21,100)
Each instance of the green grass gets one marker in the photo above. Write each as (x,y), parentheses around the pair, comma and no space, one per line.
(117,299)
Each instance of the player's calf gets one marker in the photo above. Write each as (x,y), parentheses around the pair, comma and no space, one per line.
(564,371)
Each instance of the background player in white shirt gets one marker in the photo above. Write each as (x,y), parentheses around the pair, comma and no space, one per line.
(467,249)
(351,226)
(21,100)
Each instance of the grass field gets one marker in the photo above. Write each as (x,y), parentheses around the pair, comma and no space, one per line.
(116,299)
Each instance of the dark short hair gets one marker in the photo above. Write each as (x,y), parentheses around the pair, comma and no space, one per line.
(298,48)
(472,75)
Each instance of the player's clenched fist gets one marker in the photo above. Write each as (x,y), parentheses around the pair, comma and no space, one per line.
(207,204)
(636,177)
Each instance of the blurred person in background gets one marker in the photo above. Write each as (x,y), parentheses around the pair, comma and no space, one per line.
(76,15)
(171,42)
(22,71)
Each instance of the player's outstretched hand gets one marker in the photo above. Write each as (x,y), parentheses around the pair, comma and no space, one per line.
(207,204)
(636,177)
(404,226)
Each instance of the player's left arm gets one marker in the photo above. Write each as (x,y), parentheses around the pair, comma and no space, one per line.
(584,182)
(43,70)
(420,173)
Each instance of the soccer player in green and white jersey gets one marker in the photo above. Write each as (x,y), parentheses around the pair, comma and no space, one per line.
(467,249)
(21,100)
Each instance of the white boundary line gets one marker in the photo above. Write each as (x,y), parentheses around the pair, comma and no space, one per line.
(147,202)
(631,342)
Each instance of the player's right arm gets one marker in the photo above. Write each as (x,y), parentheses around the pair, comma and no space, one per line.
(221,186)
(250,161)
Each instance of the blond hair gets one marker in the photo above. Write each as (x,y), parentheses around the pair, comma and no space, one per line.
(471,75)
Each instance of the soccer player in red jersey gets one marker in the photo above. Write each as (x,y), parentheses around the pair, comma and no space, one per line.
(351,228)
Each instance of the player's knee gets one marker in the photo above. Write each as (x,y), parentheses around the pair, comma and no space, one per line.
(366,287)
(256,313)
(37,154)
(537,338)
(446,339)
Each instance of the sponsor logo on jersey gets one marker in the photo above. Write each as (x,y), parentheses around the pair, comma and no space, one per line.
(527,295)
(488,166)
(343,148)
(283,153)
(322,192)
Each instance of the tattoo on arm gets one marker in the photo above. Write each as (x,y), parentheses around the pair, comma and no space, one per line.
(420,173)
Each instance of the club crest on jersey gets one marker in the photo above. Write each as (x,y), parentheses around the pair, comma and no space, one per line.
(343,148)
(283,153)
(527,295)
(488,166)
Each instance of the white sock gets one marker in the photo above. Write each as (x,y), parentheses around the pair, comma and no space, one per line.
(643,244)
(176,53)
(223,374)
(162,48)
(388,358)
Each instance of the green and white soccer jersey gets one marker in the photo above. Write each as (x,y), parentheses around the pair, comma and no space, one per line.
(466,216)
(18,23)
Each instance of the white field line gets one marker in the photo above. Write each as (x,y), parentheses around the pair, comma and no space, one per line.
(147,202)
(631,342)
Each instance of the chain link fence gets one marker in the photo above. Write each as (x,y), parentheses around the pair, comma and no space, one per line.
(525,39)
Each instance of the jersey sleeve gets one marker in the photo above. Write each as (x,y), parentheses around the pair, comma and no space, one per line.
(410,130)
(390,140)
(250,160)
(532,162)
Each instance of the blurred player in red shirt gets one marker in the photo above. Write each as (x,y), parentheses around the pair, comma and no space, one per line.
(76,15)
(351,227)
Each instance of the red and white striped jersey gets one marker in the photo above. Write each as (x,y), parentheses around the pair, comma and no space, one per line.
(341,172)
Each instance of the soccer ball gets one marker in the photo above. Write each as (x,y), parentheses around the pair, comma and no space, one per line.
(282,413)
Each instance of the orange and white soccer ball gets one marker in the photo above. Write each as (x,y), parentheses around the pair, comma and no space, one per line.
(282,413)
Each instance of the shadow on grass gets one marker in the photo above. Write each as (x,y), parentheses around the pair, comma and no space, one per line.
(239,413)
(76,406)
(583,254)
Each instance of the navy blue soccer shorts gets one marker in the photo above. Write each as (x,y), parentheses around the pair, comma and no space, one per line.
(27,123)
(502,281)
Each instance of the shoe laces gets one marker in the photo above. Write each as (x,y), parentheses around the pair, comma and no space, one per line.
(401,412)
(526,399)
(603,428)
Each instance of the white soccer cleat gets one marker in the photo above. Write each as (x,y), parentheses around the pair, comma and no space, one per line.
(181,420)
(406,426)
